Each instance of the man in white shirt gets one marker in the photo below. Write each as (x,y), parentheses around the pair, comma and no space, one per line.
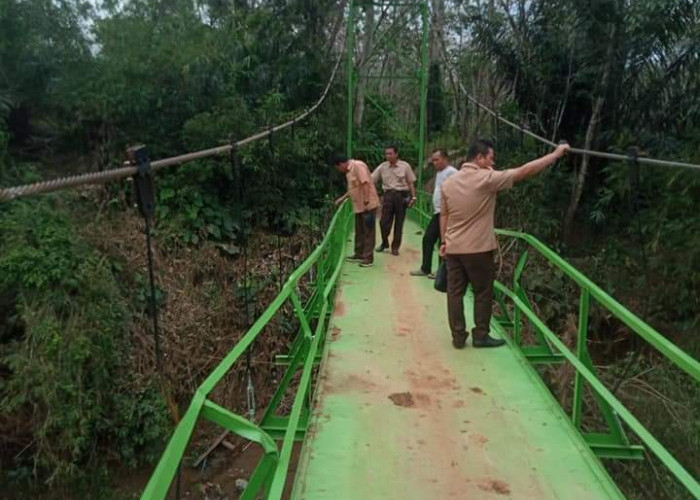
(432,233)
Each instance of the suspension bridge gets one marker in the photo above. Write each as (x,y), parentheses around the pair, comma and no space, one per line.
(384,406)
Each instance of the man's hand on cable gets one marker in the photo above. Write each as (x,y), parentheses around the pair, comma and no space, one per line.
(340,200)
(562,149)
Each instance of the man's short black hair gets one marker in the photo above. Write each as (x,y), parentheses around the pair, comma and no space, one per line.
(392,146)
(442,152)
(338,158)
(479,147)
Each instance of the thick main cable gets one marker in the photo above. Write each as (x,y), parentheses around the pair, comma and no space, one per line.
(599,154)
(7,194)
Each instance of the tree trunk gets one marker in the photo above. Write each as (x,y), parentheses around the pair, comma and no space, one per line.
(436,31)
(364,66)
(565,99)
(580,180)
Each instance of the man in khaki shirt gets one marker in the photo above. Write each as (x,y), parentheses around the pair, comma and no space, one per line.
(365,202)
(467,229)
(399,193)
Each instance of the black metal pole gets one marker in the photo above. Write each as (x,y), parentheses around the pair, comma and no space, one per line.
(145,197)
(153,305)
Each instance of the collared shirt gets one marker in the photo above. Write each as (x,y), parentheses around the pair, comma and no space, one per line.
(469,200)
(439,179)
(357,176)
(395,177)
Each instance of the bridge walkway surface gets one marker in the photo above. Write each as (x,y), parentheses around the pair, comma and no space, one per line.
(400,413)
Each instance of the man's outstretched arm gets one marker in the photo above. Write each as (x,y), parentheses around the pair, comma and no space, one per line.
(534,167)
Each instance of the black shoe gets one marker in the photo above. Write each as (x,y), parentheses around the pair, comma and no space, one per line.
(488,341)
(381,248)
(395,252)
(419,272)
(459,342)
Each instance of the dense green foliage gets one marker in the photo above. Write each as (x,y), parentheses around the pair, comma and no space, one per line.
(81,81)
(618,75)
(65,342)
(77,86)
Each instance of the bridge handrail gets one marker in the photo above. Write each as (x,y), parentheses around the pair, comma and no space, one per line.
(671,351)
(162,477)
(685,478)
(588,288)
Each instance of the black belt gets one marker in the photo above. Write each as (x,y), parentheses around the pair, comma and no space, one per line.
(396,191)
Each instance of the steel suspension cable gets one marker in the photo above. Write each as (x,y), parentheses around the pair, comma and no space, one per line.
(589,152)
(7,194)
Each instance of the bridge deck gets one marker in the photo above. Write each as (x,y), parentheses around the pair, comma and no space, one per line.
(399,413)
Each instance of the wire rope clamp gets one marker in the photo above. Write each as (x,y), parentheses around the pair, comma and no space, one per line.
(143,180)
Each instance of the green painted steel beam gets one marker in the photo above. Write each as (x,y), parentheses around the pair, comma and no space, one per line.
(162,477)
(277,426)
(678,471)
(413,133)
(581,350)
(480,424)
(618,452)
(326,257)
(681,359)
(612,409)
(607,446)
(350,70)
(239,426)
(423,117)
(545,359)
(299,356)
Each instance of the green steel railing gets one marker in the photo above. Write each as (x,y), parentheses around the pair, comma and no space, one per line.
(270,474)
(550,349)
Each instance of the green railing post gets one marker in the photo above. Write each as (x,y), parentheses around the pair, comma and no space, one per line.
(581,351)
(350,53)
(517,331)
(290,427)
(680,473)
(299,309)
(518,289)
(613,443)
(423,100)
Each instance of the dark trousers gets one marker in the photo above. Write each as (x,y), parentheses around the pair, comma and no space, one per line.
(479,270)
(431,236)
(393,211)
(365,235)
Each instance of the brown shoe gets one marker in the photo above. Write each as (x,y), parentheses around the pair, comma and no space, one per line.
(394,252)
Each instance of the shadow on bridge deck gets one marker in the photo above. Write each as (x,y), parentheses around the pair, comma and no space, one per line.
(400,414)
